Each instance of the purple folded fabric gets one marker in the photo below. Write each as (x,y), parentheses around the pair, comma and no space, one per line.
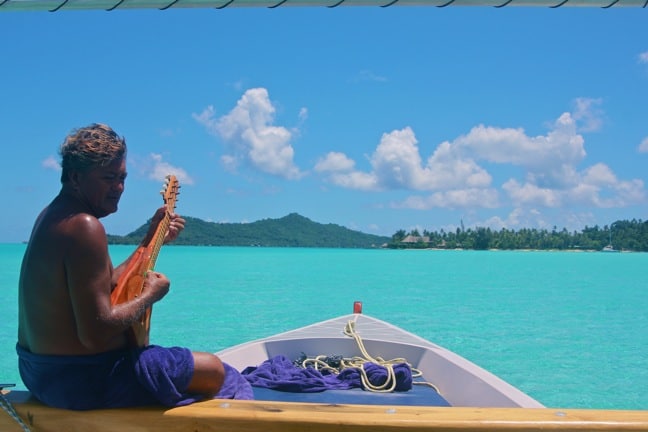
(377,375)
(279,373)
(106,380)
(166,372)
(123,378)
(235,386)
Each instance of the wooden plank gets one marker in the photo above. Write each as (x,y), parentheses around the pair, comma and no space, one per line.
(252,416)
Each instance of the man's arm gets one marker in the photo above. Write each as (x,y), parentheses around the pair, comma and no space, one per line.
(176,226)
(89,279)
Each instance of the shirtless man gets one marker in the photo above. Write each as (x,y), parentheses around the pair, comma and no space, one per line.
(72,346)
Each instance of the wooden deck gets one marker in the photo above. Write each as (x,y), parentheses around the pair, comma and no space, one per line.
(231,416)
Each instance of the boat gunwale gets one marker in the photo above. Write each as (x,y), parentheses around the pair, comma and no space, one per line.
(259,415)
(239,415)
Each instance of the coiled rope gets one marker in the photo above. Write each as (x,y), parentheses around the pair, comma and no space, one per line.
(8,407)
(336,364)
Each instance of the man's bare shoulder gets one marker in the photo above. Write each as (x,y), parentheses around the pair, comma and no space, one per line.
(61,227)
(67,216)
(78,241)
(84,225)
(84,236)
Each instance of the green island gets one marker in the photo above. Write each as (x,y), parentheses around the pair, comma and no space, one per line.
(295,230)
(619,236)
(292,230)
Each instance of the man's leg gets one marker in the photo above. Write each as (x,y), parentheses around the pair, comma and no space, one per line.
(208,376)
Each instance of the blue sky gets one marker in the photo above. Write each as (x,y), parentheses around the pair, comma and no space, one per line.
(377,119)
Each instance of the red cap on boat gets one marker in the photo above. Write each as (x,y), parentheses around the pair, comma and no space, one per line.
(357,307)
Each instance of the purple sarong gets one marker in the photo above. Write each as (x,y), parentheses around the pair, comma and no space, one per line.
(151,375)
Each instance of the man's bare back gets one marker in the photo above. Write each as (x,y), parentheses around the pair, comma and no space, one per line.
(47,319)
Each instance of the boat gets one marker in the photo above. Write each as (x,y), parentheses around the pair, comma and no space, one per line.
(455,394)
(609,247)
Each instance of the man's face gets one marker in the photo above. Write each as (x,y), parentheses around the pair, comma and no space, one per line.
(101,187)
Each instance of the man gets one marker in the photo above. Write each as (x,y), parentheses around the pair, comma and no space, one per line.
(72,346)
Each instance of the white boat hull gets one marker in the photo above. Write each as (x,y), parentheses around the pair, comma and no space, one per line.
(460,382)
(482,401)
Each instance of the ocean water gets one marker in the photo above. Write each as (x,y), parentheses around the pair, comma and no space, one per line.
(570,329)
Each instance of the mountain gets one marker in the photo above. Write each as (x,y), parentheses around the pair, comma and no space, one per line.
(292,230)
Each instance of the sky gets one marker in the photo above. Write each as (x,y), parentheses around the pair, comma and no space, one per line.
(376,119)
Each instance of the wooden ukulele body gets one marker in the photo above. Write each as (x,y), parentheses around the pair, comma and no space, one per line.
(131,281)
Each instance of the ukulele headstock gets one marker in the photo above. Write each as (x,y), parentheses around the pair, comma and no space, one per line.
(170,192)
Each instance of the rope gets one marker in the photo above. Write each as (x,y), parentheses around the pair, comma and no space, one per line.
(336,364)
(6,405)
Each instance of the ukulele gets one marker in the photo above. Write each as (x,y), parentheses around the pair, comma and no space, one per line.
(131,281)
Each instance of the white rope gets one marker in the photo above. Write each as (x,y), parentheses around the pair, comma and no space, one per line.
(323,362)
(6,405)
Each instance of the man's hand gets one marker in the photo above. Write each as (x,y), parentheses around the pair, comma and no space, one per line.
(175,227)
(156,285)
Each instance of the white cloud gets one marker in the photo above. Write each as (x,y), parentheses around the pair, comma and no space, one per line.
(521,217)
(355,180)
(643,146)
(251,137)
(506,145)
(596,186)
(334,162)
(588,115)
(160,169)
(51,163)
(531,194)
(367,75)
(628,192)
(396,164)
(463,198)
(303,114)
(599,175)
(450,169)
(517,218)
(229,162)
(167,132)
(206,118)
(552,175)
(583,194)
(643,57)
(238,85)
